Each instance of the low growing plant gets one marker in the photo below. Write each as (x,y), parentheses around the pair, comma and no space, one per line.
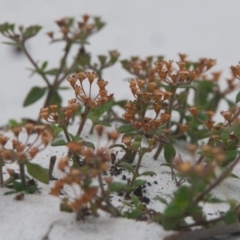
(171,102)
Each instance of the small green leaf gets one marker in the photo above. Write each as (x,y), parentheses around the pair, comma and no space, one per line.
(170,222)
(102,59)
(44,65)
(117,145)
(133,214)
(97,112)
(37,172)
(98,23)
(65,208)
(56,130)
(13,123)
(31,189)
(234,175)
(9,192)
(119,186)
(230,156)
(231,217)
(137,143)
(169,153)
(121,103)
(138,183)
(59,143)
(64,88)
(127,166)
(135,199)
(126,128)
(75,138)
(53,71)
(88,144)
(214,200)
(148,173)
(18,186)
(238,97)
(162,200)
(34,95)
(56,99)
(12,44)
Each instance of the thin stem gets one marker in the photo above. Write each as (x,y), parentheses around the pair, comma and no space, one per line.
(101,184)
(170,108)
(35,65)
(1,176)
(171,105)
(51,166)
(110,207)
(22,175)
(54,87)
(63,61)
(64,127)
(218,180)
(84,118)
(135,174)
(160,147)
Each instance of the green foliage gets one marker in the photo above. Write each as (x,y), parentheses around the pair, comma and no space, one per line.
(126,128)
(37,172)
(169,153)
(34,95)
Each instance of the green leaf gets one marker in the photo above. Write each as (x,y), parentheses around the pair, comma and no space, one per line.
(181,196)
(75,138)
(238,97)
(97,112)
(55,99)
(44,65)
(98,23)
(64,88)
(126,128)
(162,200)
(121,103)
(65,208)
(34,95)
(148,173)
(137,143)
(214,200)
(138,183)
(119,186)
(234,176)
(135,199)
(13,123)
(88,144)
(9,192)
(31,189)
(230,103)
(31,31)
(53,72)
(102,59)
(37,172)
(13,44)
(56,130)
(170,221)
(230,156)
(133,214)
(18,186)
(117,145)
(169,153)
(231,217)
(127,166)
(60,142)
